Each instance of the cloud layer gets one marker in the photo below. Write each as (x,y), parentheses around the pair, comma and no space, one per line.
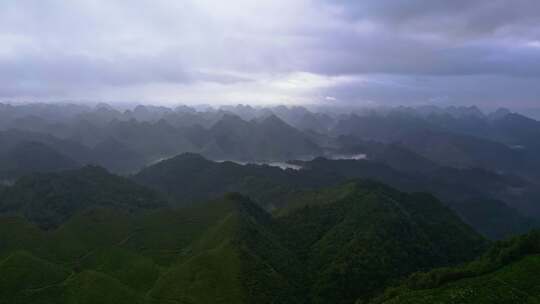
(484,52)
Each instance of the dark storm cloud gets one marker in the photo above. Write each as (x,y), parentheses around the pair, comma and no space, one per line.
(434,37)
(483,52)
(448,17)
(356,54)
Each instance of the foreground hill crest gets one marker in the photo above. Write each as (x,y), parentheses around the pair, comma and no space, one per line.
(230,250)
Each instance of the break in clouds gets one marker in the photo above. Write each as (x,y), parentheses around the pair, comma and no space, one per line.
(484,52)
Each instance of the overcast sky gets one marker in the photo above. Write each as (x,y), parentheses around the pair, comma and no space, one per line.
(388,52)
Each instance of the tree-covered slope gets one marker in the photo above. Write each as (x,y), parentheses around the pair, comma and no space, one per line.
(479,197)
(190,178)
(220,252)
(230,250)
(239,259)
(21,271)
(360,241)
(496,205)
(49,199)
(508,273)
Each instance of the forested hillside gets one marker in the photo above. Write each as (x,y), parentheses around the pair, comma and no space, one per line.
(507,273)
(231,251)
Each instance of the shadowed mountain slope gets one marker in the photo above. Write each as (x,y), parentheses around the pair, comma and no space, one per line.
(32,157)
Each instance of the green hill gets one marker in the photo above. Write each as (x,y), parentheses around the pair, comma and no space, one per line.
(239,259)
(222,250)
(86,287)
(190,178)
(371,235)
(22,273)
(230,250)
(508,273)
(50,199)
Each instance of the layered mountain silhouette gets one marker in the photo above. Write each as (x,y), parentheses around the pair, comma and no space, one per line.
(244,204)
(460,137)
(472,193)
(267,139)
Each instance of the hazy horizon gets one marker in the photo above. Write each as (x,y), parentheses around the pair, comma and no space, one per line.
(531,112)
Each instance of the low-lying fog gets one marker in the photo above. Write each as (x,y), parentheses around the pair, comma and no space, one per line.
(288,165)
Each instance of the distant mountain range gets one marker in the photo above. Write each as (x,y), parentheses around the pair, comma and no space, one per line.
(501,141)
(268,205)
